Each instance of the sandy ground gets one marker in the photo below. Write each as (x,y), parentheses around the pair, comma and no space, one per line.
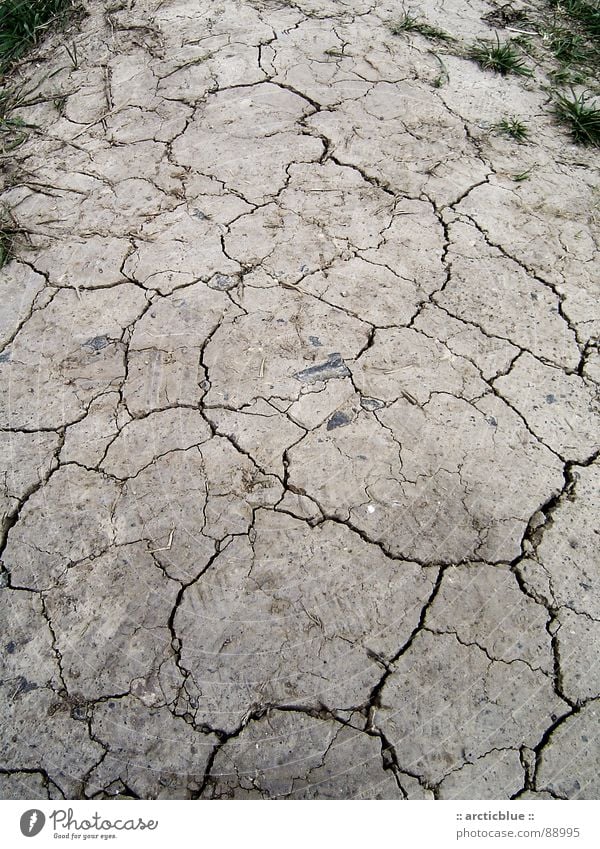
(299,415)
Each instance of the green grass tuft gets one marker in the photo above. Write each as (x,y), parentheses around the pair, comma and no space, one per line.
(514,128)
(502,58)
(582,115)
(411,23)
(524,175)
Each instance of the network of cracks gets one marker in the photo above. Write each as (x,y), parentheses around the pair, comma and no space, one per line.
(301,418)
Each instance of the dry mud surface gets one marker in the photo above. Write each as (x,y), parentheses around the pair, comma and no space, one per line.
(299,416)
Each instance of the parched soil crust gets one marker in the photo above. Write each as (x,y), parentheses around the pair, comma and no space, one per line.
(300,419)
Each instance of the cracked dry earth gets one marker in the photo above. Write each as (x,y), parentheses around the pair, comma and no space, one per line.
(300,417)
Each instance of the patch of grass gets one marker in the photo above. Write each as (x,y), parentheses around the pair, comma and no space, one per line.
(514,128)
(7,236)
(586,13)
(566,75)
(23,22)
(13,132)
(11,235)
(568,46)
(501,57)
(6,246)
(582,114)
(572,34)
(525,43)
(13,129)
(524,175)
(72,54)
(443,77)
(409,22)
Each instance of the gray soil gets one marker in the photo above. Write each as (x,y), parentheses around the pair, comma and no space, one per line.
(300,419)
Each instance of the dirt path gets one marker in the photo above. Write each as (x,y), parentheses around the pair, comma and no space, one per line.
(300,415)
